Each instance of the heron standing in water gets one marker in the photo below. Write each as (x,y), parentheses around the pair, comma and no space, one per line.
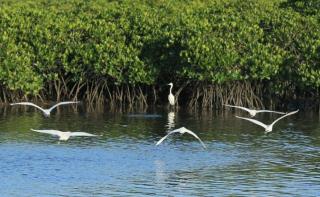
(170,96)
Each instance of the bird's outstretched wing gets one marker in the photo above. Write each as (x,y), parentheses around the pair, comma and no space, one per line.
(254,121)
(277,112)
(288,114)
(239,107)
(62,103)
(28,103)
(195,135)
(161,140)
(81,134)
(52,132)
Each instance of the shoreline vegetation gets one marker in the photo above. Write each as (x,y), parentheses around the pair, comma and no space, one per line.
(251,53)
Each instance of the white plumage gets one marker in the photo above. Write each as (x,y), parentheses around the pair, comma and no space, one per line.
(268,128)
(63,135)
(253,112)
(170,96)
(181,130)
(45,111)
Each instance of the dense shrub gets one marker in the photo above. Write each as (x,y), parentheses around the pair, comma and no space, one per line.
(144,43)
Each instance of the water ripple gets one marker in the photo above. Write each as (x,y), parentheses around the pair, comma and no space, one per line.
(240,159)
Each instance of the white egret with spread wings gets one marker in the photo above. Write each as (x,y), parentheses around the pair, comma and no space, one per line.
(63,135)
(181,130)
(268,128)
(253,112)
(45,111)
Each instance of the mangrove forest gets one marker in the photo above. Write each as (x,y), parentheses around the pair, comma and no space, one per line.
(262,53)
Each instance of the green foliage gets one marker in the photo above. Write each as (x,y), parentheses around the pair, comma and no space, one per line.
(308,7)
(148,42)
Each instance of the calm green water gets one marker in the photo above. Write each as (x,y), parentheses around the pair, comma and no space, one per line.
(241,160)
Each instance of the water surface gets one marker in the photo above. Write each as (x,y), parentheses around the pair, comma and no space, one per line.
(240,159)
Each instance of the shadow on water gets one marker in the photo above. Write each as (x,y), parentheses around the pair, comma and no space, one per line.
(240,159)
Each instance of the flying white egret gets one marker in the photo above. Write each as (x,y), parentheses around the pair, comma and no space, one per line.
(253,112)
(63,135)
(181,130)
(45,111)
(267,128)
(170,96)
